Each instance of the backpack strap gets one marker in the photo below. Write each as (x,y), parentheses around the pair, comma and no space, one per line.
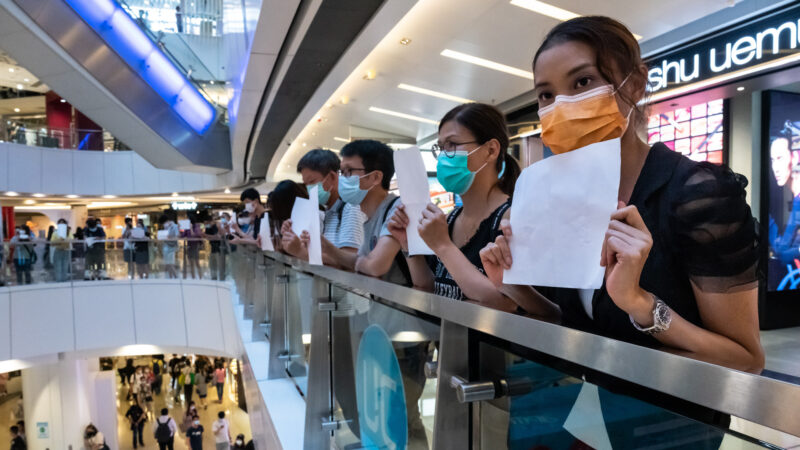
(399,259)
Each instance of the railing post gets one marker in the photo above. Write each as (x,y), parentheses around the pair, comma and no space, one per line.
(451,420)
(319,402)
(277,337)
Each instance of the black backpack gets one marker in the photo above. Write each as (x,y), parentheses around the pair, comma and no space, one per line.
(163,433)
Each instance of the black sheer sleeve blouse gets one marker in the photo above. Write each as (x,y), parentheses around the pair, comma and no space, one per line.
(703,234)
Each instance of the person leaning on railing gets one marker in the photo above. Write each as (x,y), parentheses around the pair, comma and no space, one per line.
(61,252)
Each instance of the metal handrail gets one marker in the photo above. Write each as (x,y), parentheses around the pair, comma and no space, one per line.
(768,402)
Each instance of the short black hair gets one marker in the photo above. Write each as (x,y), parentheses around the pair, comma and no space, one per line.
(221,414)
(319,160)
(374,155)
(163,219)
(14,429)
(128,220)
(250,194)
(164,411)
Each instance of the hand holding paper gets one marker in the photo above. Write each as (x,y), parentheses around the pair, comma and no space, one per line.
(265,234)
(412,181)
(560,214)
(305,217)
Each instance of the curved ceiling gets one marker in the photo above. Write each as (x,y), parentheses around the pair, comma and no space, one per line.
(410,52)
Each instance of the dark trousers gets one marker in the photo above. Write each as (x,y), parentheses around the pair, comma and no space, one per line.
(166,445)
(219,391)
(137,434)
(187,392)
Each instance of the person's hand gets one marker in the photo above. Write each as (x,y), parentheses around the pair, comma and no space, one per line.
(290,241)
(626,247)
(433,228)
(305,239)
(397,225)
(496,256)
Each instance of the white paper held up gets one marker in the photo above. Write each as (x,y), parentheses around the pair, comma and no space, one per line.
(265,233)
(185,224)
(137,233)
(61,230)
(412,181)
(585,420)
(559,217)
(161,235)
(306,218)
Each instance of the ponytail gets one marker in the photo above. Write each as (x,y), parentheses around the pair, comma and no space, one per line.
(509,171)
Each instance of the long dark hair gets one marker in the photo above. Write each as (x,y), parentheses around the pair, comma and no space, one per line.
(486,122)
(281,200)
(615,49)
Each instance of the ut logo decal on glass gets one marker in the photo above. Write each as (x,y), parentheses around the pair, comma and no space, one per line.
(379,392)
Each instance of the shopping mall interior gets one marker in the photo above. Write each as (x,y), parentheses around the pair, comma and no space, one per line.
(211,238)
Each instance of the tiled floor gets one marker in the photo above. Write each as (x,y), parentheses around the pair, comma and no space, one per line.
(240,423)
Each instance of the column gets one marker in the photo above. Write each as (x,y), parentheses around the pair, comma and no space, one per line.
(78,216)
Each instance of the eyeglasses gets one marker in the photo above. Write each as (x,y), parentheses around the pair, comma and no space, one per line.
(448,148)
(349,171)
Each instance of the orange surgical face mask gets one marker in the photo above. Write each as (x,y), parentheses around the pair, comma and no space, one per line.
(575,121)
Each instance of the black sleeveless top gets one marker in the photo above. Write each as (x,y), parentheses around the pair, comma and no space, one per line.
(703,233)
(487,232)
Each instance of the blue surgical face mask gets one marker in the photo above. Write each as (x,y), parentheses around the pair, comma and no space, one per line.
(454,174)
(322,194)
(350,189)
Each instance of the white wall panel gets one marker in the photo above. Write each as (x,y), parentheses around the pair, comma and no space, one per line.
(5,326)
(192,182)
(159,314)
(57,172)
(41,322)
(3,170)
(232,337)
(170,181)
(145,177)
(89,173)
(24,169)
(103,315)
(118,172)
(203,324)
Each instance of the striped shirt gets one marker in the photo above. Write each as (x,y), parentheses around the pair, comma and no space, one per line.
(343,225)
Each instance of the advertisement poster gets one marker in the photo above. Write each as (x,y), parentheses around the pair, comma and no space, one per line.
(697,131)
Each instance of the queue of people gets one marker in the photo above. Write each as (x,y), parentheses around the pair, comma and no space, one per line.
(680,253)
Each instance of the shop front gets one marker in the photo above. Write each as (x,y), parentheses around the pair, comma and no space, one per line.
(733,97)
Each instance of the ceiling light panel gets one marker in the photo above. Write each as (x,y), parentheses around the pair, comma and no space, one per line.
(403,115)
(549,10)
(437,94)
(487,63)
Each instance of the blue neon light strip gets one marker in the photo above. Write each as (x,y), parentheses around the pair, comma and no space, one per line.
(123,35)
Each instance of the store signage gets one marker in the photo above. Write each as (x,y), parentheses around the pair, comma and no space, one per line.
(379,392)
(764,39)
(43,430)
(184,206)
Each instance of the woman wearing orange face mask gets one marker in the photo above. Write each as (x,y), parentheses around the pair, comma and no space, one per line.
(681,251)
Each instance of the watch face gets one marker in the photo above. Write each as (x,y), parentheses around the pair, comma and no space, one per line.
(663,315)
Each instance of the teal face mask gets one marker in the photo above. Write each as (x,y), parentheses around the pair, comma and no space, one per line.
(322,194)
(350,190)
(453,173)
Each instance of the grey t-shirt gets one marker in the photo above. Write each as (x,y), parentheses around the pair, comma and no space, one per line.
(374,228)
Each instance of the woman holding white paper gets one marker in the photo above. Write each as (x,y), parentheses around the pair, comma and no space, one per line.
(61,251)
(681,252)
(473,163)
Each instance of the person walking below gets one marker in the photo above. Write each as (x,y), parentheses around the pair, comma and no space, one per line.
(93,439)
(127,247)
(164,430)
(136,417)
(202,387)
(219,381)
(239,444)
(222,432)
(188,383)
(194,435)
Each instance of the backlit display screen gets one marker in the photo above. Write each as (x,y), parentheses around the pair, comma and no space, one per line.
(697,131)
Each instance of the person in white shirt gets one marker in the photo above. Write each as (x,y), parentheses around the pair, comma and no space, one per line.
(164,429)
(222,432)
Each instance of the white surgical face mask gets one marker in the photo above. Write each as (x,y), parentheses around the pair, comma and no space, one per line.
(250,207)
(239,442)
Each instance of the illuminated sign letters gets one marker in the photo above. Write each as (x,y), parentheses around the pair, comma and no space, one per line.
(770,37)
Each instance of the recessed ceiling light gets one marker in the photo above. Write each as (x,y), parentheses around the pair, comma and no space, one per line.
(227,190)
(304,144)
(29,202)
(211,82)
(548,10)
(545,9)
(405,41)
(27,80)
(109,196)
(424,91)
(341,139)
(63,101)
(370,75)
(11,194)
(72,196)
(344,100)
(20,87)
(38,195)
(174,194)
(403,115)
(11,69)
(329,105)
(16,109)
(740,88)
(313,133)
(487,64)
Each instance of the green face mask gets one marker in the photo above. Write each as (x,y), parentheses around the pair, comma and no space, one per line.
(322,194)
(453,173)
